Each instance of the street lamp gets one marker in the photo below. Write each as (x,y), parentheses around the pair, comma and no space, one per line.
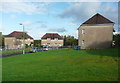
(23,39)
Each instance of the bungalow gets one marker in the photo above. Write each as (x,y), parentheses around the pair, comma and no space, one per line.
(52,40)
(15,40)
(96,33)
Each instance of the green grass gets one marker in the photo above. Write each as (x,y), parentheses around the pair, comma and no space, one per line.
(62,65)
(13,51)
(0,69)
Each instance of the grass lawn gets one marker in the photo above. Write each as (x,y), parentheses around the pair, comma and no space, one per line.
(13,51)
(62,65)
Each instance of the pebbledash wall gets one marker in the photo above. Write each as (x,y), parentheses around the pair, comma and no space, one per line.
(10,42)
(13,43)
(15,40)
(95,36)
(52,43)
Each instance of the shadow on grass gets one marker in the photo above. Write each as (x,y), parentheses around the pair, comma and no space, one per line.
(113,52)
(103,49)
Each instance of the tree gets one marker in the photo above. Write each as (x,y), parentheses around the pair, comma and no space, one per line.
(23,36)
(70,41)
(116,38)
(1,40)
(37,43)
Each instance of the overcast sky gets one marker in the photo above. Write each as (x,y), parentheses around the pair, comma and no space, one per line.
(52,17)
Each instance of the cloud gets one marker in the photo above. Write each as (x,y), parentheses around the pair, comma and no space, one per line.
(2,27)
(109,11)
(27,23)
(40,23)
(82,11)
(60,0)
(11,0)
(13,16)
(70,23)
(36,34)
(23,7)
(43,26)
(57,30)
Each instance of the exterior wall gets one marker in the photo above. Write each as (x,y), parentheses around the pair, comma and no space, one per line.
(13,43)
(95,36)
(27,41)
(52,43)
(10,42)
(0,40)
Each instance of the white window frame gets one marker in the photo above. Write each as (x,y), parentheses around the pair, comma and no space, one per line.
(83,31)
(48,38)
(56,39)
(56,44)
(83,42)
(13,40)
(28,39)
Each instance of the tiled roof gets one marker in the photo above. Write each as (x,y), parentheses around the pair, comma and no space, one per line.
(18,35)
(52,36)
(98,19)
(7,36)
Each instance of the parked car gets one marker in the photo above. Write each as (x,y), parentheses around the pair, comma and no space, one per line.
(35,49)
(0,49)
(46,47)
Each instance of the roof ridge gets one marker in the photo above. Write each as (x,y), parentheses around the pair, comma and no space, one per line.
(97,19)
(52,36)
(18,34)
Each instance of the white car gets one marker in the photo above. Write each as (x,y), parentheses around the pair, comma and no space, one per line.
(45,48)
(35,49)
(0,49)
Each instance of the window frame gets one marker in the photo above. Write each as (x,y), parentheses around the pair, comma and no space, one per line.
(83,42)
(48,38)
(83,31)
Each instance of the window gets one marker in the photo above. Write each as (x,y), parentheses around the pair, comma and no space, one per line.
(48,39)
(83,31)
(55,43)
(60,44)
(48,43)
(22,44)
(56,39)
(83,41)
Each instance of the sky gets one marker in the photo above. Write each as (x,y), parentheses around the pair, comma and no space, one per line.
(63,18)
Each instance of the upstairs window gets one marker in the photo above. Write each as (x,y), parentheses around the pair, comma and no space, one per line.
(28,39)
(56,39)
(48,39)
(83,31)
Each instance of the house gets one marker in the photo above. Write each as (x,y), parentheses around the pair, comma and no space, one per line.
(52,40)
(95,33)
(0,40)
(17,40)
